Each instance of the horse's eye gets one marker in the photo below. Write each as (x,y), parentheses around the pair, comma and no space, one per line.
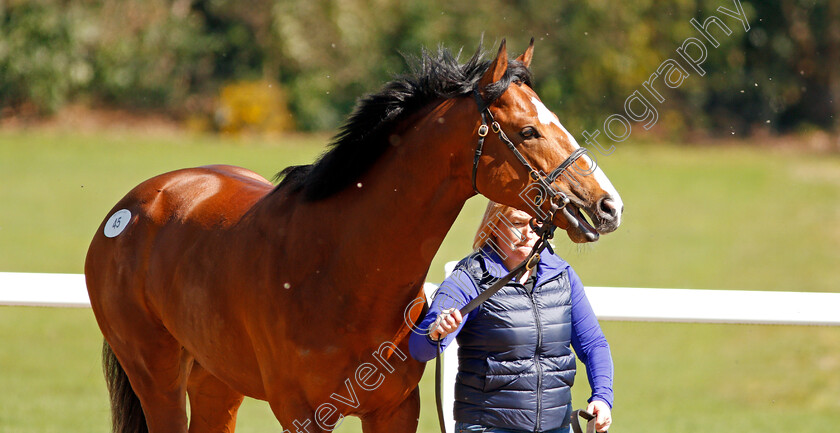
(529,132)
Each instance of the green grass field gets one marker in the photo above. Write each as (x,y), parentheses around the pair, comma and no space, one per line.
(732,217)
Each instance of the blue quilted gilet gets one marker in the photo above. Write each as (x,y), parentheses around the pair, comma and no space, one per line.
(516,366)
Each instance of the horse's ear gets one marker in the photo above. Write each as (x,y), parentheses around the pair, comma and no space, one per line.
(525,58)
(497,68)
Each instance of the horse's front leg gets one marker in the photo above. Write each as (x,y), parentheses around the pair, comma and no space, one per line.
(213,404)
(401,418)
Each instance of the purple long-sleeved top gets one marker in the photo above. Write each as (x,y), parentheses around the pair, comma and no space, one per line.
(588,340)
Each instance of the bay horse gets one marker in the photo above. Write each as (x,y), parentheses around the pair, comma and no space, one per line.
(212,284)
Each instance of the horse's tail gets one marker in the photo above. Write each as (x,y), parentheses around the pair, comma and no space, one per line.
(126,412)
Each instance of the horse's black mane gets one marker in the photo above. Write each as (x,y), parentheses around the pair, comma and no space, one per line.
(364,137)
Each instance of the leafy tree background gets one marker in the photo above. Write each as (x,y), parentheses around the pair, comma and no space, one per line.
(174,56)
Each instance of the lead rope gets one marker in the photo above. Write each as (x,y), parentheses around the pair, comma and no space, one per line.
(590,421)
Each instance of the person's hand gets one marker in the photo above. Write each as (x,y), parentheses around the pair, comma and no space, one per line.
(603,417)
(446,323)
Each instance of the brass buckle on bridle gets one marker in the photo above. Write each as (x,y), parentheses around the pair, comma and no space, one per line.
(496,127)
(483,130)
(532,262)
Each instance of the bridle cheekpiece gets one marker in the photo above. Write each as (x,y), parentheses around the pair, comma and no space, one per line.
(558,199)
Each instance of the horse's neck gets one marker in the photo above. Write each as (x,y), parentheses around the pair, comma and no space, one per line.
(368,248)
(370,245)
(409,200)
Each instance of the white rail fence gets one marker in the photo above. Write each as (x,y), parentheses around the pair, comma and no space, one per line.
(609,303)
(43,290)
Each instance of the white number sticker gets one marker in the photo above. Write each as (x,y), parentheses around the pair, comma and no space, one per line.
(117,223)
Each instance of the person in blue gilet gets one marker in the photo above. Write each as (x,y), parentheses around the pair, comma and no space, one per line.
(515,361)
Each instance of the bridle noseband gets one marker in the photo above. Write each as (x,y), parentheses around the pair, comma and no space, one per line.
(558,198)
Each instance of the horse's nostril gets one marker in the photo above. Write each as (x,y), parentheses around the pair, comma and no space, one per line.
(607,206)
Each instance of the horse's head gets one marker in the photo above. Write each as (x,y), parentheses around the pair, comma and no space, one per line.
(528,160)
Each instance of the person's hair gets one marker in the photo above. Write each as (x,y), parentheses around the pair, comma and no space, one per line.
(488,221)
